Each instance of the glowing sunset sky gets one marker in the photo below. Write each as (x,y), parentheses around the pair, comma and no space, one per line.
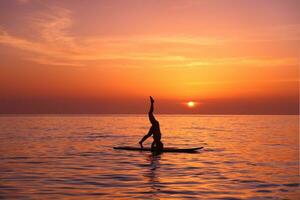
(231,57)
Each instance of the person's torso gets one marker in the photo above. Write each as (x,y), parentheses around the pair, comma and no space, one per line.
(156,131)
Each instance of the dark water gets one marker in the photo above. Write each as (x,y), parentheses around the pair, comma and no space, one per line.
(71,157)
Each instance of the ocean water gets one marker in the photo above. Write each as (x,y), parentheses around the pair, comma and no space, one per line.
(71,157)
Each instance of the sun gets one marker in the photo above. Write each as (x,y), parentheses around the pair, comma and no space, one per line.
(191,104)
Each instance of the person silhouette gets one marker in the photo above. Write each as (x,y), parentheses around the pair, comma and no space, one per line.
(157,145)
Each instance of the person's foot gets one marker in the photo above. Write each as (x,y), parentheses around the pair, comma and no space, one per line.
(151,99)
(141,144)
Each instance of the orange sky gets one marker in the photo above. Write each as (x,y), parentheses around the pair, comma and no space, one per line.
(232,57)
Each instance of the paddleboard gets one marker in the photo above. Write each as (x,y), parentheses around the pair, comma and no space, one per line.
(166,149)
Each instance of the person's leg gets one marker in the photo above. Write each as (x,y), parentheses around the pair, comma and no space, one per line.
(150,114)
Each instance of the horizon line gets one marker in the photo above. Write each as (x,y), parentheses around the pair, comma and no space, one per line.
(3,114)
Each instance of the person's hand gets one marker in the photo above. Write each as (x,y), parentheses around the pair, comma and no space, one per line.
(151,99)
(141,144)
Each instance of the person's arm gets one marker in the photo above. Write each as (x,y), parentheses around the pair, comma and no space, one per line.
(145,137)
(150,114)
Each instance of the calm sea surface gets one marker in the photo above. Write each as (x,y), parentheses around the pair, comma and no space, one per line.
(71,157)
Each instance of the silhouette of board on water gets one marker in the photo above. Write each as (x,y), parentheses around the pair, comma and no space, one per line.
(166,149)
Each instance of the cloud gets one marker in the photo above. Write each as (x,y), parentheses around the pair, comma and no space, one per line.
(244,61)
(195,83)
(23,1)
(55,44)
(20,43)
(52,45)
